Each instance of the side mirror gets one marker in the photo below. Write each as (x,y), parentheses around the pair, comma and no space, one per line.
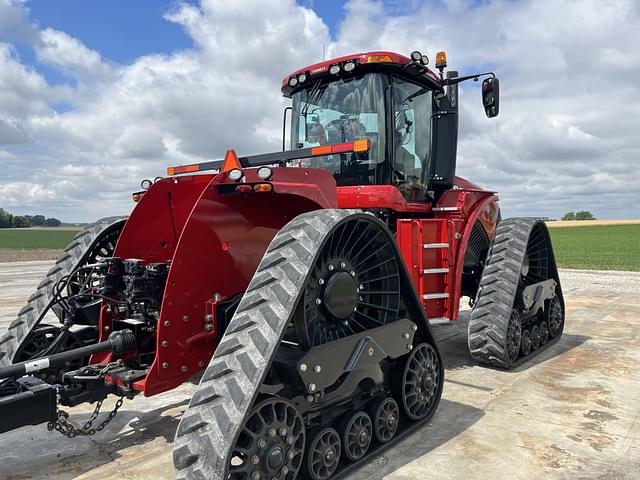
(491,96)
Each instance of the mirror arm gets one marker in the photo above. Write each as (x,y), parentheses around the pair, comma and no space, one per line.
(475,77)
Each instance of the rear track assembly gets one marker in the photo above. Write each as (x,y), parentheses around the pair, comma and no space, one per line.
(519,308)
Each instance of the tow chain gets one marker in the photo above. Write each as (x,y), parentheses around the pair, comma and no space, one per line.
(69,429)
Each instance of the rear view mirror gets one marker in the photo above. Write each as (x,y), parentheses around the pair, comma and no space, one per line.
(491,96)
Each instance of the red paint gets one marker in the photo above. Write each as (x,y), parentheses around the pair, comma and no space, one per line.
(378,196)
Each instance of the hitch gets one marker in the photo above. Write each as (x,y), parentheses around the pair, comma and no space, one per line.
(119,343)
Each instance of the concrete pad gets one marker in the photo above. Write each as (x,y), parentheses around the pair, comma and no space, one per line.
(571,413)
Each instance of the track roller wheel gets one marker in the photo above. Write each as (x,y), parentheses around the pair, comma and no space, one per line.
(555,317)
(526,342)
(514,336)
(271,444)
(535,337)
(323,454)
(420,382)
(386,415)
(544,333)
(357,432)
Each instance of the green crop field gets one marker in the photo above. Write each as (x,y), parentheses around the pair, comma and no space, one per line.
(32,238)
(606,247)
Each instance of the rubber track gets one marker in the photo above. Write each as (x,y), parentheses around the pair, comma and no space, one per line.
(497,292)
(229,386)
(40,301)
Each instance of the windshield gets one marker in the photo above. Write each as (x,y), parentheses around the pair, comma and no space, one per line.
(338,112)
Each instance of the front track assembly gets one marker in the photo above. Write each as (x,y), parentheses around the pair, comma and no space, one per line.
(28,336)
(301,384)
(519,308)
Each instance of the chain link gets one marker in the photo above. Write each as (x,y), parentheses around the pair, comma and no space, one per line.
(69,429)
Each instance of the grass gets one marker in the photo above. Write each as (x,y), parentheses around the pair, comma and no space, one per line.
(607,247)
(33,238)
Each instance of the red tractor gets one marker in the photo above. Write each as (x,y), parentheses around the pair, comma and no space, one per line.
(299,285)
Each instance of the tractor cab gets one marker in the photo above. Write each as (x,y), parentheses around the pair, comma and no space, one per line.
(396,103)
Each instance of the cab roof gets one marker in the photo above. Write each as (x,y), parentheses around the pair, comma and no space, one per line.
(371,61)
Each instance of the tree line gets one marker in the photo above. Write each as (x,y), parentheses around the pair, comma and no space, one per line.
(8,220)
(581,215)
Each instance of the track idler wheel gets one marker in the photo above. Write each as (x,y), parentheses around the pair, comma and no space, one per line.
(420,381)
(544,333)
(555,317)
(357,432)
(514,336)
(323,454)
(271,444)
(535,337)
(526,342)
(386,415)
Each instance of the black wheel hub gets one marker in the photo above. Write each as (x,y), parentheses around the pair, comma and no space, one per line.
(555,317)
(420,381)
(323,454)
(341,295)
(356,435)
(354,285)
(385,416)
(271,444)
(525,346)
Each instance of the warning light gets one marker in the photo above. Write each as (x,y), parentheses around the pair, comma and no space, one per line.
(441,60)
(361,145)
(262,187)
(379,58)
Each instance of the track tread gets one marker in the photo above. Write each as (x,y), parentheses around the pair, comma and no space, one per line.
(497,292)
(202,453)
(39,301)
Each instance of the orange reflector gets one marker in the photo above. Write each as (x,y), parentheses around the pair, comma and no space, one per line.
(230,161)
(262,187)
(243,188)
(441,59)
(361,145)
(379,58)
(182,169)
(325,149)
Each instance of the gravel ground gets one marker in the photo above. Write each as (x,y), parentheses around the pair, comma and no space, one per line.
(11,255)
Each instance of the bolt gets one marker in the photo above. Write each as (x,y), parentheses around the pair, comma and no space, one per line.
(165,344)
(285,470)
(184,369)
(353,274)
(310,398)
(371,351)
(346,322)
(255,459)
(303,367)
(343,265)
(283,432)
(208,317)
(165,365)
(414,327)
(201,364)
(291,454)
(217,297)
(107,328)
(272,432)
(255,476)
(321,281)
(262,443)
(317,368)
(405,336)
(361,287)
(185,318)
(331,267)
(312,387)
(290,439)
(318,301)
(167,323)
(409,346)
(208,327)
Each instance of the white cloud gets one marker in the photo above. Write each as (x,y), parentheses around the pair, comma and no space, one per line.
(566,137)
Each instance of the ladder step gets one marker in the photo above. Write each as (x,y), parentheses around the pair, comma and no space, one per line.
(439,320)
(427,271)
(435,296)
(436,245)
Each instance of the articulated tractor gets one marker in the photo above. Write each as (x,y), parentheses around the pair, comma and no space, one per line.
(299,288)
